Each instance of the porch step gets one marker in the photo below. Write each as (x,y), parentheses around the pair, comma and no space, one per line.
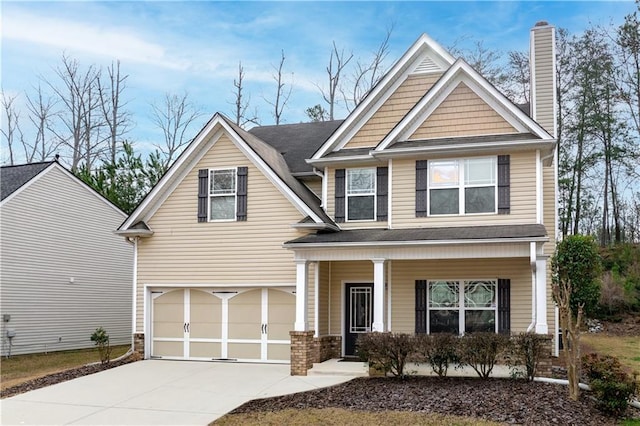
(336,367)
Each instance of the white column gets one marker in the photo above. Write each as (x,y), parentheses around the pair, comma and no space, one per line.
(378,295)
(541,295)
(302,323)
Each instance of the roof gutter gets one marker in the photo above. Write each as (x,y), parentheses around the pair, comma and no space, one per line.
(467,148)
(316,226)
(350,244)
(128,233)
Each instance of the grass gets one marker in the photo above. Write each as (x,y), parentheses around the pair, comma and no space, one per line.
(22,368)
(624,348)
(336,416)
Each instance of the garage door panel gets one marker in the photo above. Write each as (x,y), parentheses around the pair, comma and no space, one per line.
(205,349)
(168,329)
(205,315)
(245,318)
(245,350)
(244,331)
(278,352)
(169,349)
(279,331)
(282,314)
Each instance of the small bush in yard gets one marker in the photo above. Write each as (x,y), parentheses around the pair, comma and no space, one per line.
(101,339)
(480,351)
(611,384)
(438,349)
(386,351)
(528,349)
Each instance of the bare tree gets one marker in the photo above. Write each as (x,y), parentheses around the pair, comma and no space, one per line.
(41,113)
(488,62)
(11,131)
(517,84)
(317,113)
(173,116)
(116,119)
(366,74)
(282,94)
(241,103)
(80,116)
(335,69)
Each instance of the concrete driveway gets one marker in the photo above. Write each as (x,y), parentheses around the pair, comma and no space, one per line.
(156,392)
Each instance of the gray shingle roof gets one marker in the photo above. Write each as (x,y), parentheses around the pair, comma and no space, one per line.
(297,142)
(276,161)
(424,234)
(13,177)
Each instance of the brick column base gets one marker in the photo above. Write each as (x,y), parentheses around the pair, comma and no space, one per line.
(138,344)
(302,352)
(327,347)
(546,361)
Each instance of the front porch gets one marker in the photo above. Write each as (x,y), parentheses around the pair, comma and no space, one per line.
(344,289)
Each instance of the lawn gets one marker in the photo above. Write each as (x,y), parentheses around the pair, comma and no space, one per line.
(626,348)
(21,368)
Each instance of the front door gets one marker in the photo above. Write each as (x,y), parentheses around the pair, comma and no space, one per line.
(358,314)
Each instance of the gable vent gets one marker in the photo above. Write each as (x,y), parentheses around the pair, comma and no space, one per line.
(427,65)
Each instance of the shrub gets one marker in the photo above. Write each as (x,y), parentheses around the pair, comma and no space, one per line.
(101,339)
(528,348)
(480,351)
(438,349)
(611,384)
(386,351)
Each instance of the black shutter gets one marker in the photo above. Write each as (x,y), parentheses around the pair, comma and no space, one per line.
(241,211)
(504,306)
(421,306)
(382,191)
(203,192)
(422,176)
(504,179)
(340,176)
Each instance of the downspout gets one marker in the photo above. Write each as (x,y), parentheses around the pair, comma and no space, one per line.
(532,260)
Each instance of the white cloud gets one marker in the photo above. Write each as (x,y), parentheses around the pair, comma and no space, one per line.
(112,42)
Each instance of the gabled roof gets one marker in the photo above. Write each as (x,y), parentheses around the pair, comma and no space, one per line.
(262,155)
(13,178)
(297,142)
(425,55)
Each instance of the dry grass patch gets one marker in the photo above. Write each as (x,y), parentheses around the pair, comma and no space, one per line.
(337,416)
(21,368)
(625,348)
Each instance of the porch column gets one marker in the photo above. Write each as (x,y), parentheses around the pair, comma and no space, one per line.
(378,295)
(541,295)
(302,322)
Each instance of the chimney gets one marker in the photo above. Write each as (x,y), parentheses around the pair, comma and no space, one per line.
(543,76)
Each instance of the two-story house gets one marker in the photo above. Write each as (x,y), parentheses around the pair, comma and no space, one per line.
(430,208)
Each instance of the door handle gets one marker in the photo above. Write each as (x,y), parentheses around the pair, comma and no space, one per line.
(188,325)
(184,327)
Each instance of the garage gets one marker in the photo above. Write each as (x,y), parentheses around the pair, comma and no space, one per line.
(240,324)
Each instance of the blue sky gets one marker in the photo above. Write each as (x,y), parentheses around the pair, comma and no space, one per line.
(172,47)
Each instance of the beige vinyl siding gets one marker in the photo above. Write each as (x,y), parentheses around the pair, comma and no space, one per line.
(54,230)
(523,196)
(314,184)
(219,253)
(331,201)
(544,62)
(323,298)
(549,207)
(341,273)
(462,113)
(393,110)
(405,274)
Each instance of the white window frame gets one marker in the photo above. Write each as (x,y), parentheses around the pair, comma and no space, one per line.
(210,195)
(461,308)
(374,194)
(461,186)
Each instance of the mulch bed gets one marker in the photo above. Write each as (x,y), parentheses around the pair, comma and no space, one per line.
(499,400)
(63,376)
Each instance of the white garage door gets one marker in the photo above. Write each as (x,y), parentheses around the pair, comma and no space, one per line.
(217,324)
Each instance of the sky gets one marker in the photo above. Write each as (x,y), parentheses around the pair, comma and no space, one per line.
(195,46)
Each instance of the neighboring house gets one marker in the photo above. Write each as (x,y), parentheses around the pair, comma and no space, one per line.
(430,208)
(63,272)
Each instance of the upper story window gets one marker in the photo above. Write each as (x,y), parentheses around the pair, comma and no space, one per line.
(222,194)
(463,186)
(361,194)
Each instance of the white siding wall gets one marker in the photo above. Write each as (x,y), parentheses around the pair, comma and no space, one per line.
(53,230)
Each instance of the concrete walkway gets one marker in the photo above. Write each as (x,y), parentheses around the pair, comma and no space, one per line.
(156,392)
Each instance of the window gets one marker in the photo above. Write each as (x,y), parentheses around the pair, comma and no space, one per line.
(222,194)
(361,194)
(462,186)
(462,306)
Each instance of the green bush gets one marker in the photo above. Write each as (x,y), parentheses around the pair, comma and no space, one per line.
(480,351)
(386,351)
(528,349)
(611,384)
(101,339)
(439,350)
